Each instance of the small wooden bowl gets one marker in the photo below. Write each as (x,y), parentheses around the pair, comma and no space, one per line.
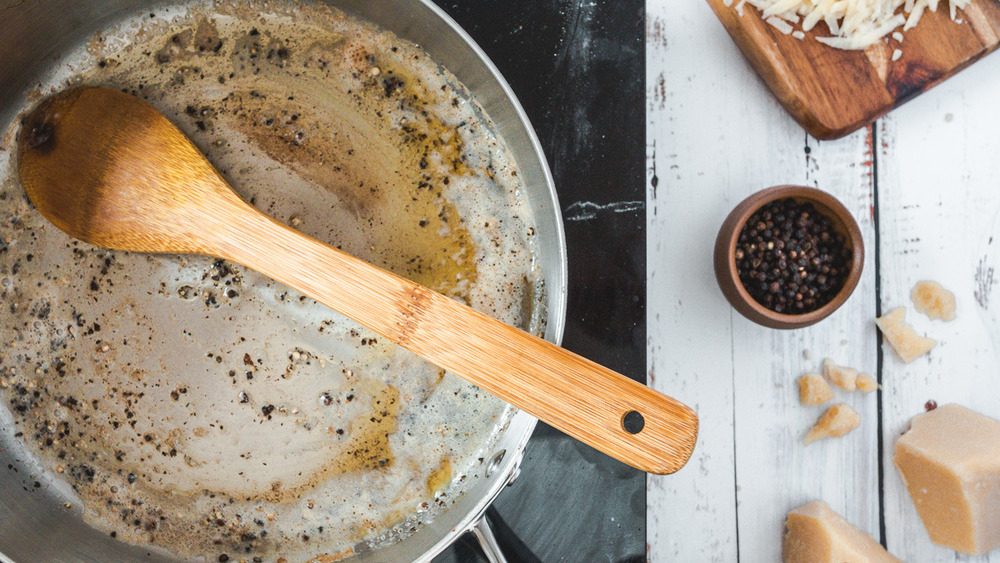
(725,261)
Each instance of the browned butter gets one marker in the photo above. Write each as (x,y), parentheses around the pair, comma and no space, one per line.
(196,406)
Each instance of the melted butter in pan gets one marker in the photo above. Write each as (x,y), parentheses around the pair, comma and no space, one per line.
(199,407)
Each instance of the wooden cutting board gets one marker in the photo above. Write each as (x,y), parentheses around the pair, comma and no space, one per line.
(832,92)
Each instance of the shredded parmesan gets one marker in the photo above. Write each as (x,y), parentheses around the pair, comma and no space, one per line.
(780,24)
(853,24)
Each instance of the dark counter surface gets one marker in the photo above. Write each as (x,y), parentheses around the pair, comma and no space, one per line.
(578,69)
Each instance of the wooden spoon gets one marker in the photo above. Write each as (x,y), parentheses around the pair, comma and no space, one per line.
(107,168)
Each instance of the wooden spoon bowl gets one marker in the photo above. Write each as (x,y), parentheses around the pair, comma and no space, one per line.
(107,168)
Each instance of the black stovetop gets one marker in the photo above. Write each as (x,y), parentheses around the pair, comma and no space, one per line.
(578,68)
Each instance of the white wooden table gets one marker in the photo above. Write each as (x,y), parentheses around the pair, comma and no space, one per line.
(924,184)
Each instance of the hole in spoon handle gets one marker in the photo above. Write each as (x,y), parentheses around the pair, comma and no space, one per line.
(633,422)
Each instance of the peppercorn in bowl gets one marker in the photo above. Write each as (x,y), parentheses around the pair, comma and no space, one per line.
(788,256)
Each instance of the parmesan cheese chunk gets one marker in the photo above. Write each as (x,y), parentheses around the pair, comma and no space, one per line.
(836,422)
(866,383)
(933,300)
(816,534)
(949,460)
(843,377)
(907,344)
(814,390)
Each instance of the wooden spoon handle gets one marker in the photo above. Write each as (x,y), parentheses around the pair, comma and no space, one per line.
(575,395)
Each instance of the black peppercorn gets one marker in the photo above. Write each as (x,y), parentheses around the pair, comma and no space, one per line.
(790,258)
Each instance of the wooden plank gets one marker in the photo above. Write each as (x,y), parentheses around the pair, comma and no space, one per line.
(775,471)
(691,516)
(715,135)
(938,207)
(832,92)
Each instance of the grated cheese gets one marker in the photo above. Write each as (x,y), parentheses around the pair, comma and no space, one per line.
(780,24)
(853,24)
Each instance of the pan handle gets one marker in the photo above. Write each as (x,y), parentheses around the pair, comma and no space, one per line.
(487,541)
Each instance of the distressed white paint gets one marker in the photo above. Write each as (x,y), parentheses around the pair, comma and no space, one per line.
(691,516)
(939,200)
(715,135)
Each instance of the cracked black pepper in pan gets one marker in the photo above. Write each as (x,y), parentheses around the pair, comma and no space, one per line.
(790,259)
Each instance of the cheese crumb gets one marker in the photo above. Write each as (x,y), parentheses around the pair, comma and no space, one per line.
(866,383)
(814,390)
(907,344)
(843,377)
(836,422)
(933,300)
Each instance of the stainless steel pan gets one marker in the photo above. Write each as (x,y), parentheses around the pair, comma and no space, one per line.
(34,525)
